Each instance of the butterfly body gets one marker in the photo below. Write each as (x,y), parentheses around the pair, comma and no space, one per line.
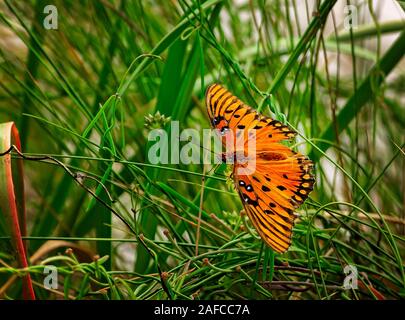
(279,180)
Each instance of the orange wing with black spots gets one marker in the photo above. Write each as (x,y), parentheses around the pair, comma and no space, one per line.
(282,179)
(228,112)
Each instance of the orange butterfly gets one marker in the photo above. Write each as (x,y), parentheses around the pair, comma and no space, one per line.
(282,178)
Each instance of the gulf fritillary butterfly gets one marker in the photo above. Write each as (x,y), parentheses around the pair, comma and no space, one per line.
(282,179)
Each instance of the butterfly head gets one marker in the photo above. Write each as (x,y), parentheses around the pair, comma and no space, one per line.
(220,124)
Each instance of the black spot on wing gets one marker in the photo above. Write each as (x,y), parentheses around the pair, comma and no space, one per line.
(265,189)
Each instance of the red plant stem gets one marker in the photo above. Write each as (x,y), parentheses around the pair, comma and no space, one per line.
(17,221)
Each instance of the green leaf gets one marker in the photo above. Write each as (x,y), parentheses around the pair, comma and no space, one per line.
(363,94)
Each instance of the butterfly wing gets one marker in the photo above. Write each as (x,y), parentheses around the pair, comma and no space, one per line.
(282,179)
(270,195)
(228,112)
